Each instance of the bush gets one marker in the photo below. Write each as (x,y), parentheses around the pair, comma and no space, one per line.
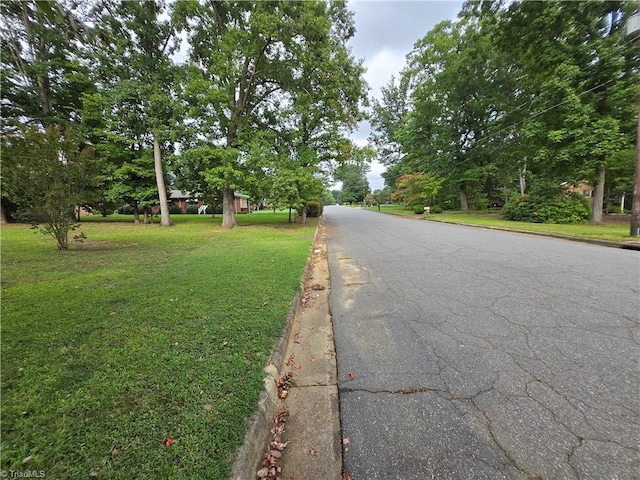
(418,209)
(125,210)
(571,208)
(314,209)
(436,209)
(614,209)
(173,210)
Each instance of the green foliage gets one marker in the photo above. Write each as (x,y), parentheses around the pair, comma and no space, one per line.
(416,189)
(353,175)
(569,208)
(175,210)
(282,67)
(46,174)
(513,90)
(328,198)
(437,209)
(418,209)
(42,76)
(126,210)
(314,209)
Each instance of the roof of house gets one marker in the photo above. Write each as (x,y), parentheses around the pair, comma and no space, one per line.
(178,194)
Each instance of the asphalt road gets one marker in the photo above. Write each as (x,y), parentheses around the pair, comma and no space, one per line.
(466,353)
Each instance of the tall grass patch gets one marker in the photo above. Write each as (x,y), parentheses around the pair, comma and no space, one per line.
(139,353)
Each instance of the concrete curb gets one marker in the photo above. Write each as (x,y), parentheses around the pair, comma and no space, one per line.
(250,454)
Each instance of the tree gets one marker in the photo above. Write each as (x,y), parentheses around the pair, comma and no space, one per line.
(135,76)
(281,67)
(43,76)
(355,185)
(416,189)
(293,188)
(456,75)
(192,168)
(47,174)
(388,117)
(379,197)
(583,81)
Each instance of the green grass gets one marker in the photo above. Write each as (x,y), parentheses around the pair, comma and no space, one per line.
(615,229)
(141,333)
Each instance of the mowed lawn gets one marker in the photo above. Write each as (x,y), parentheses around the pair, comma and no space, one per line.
(140,353)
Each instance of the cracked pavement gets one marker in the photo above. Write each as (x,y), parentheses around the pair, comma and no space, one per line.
(477,354)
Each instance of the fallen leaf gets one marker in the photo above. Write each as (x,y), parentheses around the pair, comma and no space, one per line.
(168,441)
(345,441)
(346,476)
(312,452)
(352,376)
(27,460)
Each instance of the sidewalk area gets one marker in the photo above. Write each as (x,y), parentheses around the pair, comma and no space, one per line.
(296,433)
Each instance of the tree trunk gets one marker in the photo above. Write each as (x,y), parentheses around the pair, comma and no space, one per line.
(634,230)
(136,213)
(228,213)
(165,219)
(145,213)
(289,214)
(598,196)
(523,179)
(3,215)
(304,216)
(464,199)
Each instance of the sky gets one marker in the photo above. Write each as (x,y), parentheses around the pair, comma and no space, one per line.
(385,33)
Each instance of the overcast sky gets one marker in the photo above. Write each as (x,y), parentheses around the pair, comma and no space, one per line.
(385,32)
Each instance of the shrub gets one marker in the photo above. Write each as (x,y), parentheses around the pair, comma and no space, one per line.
(571,208)
(173,210)
(418,209)
(314,209)
(125,210)
(614,209)
(192,209)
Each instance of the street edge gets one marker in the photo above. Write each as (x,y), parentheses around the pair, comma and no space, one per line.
(250,454)
(592,241)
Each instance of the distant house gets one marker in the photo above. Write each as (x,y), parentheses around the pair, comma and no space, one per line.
(585,189)
(182,199)
(241,203)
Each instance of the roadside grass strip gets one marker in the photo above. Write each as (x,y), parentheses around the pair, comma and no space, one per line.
(614,229)
(140,352)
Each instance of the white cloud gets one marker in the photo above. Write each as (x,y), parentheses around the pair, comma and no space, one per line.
(381,67)
(386,31)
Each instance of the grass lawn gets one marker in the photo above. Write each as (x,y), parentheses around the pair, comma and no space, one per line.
(616,228)
(139,353)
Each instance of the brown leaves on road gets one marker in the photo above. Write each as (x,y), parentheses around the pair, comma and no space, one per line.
(271,469)
(284,385)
